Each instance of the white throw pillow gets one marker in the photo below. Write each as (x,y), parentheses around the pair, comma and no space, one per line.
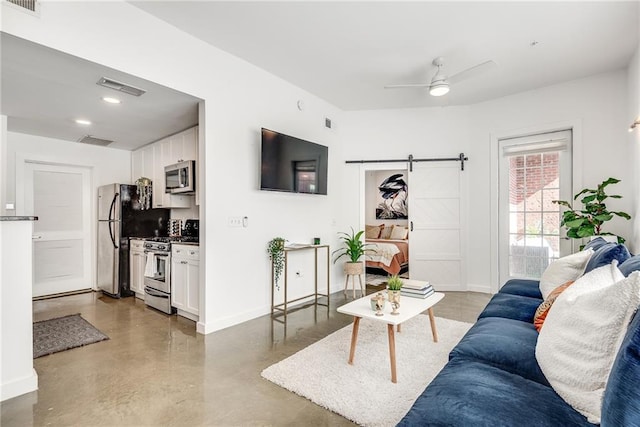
(563,270)
(583,333)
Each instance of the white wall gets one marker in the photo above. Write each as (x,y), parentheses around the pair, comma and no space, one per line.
(17,375)
(633,139)
(239,100)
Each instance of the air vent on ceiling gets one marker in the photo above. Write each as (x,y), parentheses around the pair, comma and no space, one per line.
(88,139)
(30,5)
(121,87)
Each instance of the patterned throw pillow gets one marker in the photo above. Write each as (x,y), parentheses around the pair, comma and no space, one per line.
(386,232)
(372,231)
(543,309)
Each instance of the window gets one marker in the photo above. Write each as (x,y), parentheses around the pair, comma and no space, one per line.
(534,171)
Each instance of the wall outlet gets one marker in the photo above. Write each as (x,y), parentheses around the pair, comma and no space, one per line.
(299,273)
(235,221)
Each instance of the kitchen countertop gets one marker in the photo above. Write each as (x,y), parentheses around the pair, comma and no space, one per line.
(18,218)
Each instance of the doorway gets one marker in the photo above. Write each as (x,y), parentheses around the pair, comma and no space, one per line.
(62,254)
(434,221)
(534,170)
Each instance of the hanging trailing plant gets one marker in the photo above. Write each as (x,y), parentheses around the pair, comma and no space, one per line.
(275,249)
(144,191)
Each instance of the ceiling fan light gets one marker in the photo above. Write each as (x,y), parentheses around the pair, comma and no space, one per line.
(439,89)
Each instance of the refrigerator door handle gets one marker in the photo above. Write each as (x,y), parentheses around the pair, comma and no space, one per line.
(111,212)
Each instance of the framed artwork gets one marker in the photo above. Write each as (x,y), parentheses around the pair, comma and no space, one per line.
(393,198)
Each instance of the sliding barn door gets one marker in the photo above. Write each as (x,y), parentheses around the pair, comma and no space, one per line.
(435,240)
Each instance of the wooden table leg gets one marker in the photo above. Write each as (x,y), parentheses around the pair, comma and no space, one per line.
(392,352)
(432,320)
(354,339)
(361,286)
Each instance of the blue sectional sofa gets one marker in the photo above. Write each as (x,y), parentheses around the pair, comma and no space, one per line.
(493,378)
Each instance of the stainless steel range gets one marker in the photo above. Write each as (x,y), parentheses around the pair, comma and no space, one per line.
(157,275)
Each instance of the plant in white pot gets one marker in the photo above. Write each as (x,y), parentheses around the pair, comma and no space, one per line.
(394,286)
(354,249)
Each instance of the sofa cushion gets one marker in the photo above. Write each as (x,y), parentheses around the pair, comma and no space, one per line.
(630,265)
(564,269)
(607,253)
(582,334)
(621,402)
(545,306)
(509,306)
(468,392)
(505,343)
(595,243)
(522,287)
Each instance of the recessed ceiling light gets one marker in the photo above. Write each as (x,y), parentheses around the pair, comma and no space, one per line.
(111,100)
(83,122)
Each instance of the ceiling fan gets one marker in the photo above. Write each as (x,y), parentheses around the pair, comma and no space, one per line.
(440,83)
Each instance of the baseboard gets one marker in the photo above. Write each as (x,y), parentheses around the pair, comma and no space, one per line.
(19,386)
(485,289)
(218,324)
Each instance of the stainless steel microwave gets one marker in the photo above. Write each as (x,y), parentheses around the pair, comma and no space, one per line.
(180,177)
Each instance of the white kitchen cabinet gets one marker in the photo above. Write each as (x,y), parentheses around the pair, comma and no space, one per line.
(185,280)
(149,161)
(137,261)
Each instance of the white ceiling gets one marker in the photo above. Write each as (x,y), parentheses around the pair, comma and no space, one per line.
(44,91)
(345,52)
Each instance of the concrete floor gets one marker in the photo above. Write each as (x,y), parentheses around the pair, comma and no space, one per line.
(155,369)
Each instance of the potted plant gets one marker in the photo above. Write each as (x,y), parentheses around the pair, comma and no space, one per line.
(354,249)
(588,221)
(394,286)
(275,249)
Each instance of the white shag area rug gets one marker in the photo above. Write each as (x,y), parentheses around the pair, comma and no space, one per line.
(363,392)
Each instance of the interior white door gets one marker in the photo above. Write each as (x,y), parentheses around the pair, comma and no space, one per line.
(60,197)
(435,238)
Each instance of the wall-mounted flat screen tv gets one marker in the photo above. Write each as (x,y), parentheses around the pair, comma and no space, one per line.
(293,165)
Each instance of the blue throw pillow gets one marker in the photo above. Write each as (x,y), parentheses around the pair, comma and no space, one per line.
(630,265)
(595,244)
(605,254)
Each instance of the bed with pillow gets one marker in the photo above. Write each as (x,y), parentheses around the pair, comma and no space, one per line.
(389,246)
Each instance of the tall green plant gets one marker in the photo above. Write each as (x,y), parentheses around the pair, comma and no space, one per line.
(588,221)
(353,248)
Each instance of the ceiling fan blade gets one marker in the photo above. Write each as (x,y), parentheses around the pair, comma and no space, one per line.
(407,85)
(472,72)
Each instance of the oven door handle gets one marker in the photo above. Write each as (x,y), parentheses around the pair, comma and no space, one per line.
(158,254)
(154,293)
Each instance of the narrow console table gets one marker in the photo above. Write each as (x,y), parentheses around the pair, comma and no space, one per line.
(283,307)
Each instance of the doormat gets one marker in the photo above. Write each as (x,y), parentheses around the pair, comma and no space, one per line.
(63,333)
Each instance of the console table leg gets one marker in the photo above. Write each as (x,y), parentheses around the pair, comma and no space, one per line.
(354,339)
(432,320)
(392,352)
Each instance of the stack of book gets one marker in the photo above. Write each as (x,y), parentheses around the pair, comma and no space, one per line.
(417,289)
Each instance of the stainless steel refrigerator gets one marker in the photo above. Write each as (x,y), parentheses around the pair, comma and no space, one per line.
(120,216)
